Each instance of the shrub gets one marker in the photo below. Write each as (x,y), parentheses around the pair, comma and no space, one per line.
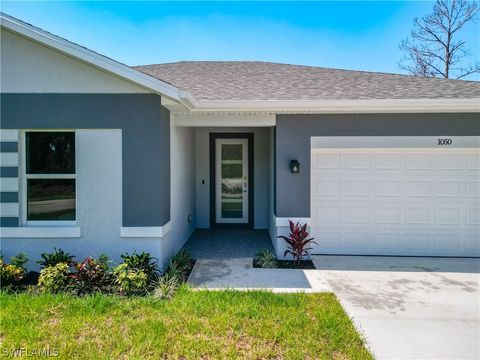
(129,280)
(10,273)
(143,262)
(266,259)
(175,275)
(180,265)
(92,276)
(56,257)
(183,259)
(297,241)
(13,272)
(166,287)
(54,278)
(175,271)
(20,260)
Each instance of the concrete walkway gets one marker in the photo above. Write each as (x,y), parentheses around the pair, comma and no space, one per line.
(239,274)
(410,308)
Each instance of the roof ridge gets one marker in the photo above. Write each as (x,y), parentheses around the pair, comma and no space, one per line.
(409,76)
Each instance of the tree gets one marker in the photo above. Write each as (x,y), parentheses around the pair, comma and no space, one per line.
(433,50)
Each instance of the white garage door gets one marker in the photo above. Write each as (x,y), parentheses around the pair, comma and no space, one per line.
(396,195)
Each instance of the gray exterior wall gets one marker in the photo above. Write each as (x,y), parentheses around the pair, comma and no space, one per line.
(293,135)
(145,140)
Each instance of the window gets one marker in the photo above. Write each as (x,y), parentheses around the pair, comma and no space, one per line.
(50,176)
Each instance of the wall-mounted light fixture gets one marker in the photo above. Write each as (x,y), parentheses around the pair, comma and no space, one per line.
(294,167)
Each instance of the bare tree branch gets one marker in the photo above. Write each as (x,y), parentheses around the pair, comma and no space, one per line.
(432,49)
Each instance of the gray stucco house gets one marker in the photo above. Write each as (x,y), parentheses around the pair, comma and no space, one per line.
(98,157)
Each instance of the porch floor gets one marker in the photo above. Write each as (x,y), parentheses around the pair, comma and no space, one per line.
(228,243)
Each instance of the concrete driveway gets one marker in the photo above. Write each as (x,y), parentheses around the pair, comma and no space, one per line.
(410,308)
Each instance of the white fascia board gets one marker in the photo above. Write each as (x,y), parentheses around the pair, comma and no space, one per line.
(345,106)
(90,57)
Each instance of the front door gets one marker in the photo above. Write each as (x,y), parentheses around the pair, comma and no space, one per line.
(231,181)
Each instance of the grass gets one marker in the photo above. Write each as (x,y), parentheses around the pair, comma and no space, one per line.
(195,324)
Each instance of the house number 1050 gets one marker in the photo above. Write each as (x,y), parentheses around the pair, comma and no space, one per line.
(444,141)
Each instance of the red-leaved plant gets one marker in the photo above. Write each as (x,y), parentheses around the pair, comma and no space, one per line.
(298,242)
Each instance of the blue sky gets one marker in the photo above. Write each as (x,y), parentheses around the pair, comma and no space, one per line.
(348,35)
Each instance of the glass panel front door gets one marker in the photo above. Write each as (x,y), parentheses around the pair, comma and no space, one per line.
(231,181)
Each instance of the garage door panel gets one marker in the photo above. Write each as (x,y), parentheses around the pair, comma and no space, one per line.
(449,188)
(356,161)
(387,161)
(416,242)
(388,216)
(415,161)
(356,215)
(472,243)
(407,201)
(447,242)
(473,161)
(358,187)
(448,216)
(355,241)
(326,215)
(386,241)
(328,240)
(473,189)
(327,161)
(472,216)
(389,188)
(449,161)
(418,188)
(327,188)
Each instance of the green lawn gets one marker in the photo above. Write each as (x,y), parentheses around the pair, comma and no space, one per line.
(195,324)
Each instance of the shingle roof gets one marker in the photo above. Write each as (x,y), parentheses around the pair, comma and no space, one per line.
(254,80)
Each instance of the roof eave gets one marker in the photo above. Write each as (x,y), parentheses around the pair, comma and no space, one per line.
(343,106)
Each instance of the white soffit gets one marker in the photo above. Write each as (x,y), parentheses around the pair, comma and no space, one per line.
(224,119)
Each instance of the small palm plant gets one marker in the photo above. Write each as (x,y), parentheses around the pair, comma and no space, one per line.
(297,241)
(266,259)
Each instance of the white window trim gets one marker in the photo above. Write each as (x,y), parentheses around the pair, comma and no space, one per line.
(23,184)
(48,232)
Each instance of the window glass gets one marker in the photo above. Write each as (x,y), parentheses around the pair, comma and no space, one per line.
(51,199)
(50,152)
(50,176)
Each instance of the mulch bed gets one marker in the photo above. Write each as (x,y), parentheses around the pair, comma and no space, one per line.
(290,264)
(30,279)
(190,268)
